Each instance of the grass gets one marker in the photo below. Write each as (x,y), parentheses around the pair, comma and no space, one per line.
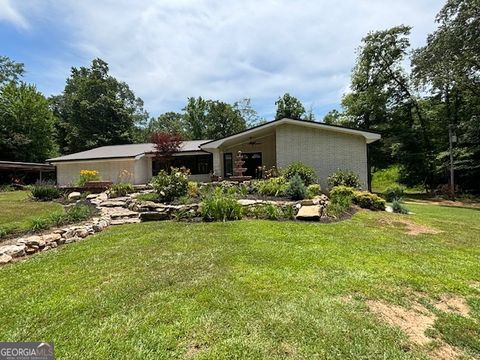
(245,289)
(18,211)
(384,178)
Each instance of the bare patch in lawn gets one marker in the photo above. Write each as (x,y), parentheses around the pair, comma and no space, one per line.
(452,303)
(410,227)
(414,322)
(193,351)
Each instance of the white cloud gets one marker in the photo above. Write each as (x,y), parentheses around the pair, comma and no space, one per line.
(9,14)
(169,50)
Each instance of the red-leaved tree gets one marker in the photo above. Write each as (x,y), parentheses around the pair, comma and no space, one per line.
(166,144)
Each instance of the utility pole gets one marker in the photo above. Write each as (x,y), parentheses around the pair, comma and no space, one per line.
(451,139)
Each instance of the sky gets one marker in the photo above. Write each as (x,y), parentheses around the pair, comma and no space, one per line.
(168,50)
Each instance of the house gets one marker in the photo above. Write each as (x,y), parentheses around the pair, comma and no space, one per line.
(278,143)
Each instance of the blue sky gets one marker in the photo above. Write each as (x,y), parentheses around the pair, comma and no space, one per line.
(168,50)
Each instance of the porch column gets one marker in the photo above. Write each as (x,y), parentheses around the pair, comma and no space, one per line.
(217,162)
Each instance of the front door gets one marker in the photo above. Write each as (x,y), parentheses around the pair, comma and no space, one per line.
(252,162)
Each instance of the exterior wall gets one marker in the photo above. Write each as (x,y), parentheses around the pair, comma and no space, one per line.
(266,146)
(110,170)
(325,151)
(143,170)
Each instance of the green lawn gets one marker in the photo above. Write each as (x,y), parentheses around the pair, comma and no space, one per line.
(17,210)
(247,289)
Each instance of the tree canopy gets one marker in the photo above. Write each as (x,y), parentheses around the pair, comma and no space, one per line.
(95,109)
(289,106)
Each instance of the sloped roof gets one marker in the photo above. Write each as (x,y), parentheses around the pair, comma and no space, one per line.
(369,136)
(124,151)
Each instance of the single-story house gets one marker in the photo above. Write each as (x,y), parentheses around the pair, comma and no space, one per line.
(278,143)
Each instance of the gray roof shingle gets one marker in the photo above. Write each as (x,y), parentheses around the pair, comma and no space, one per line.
(123,151)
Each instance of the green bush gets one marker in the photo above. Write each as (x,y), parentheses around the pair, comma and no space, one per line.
(367,200)
(296,188)
(398,207)
(5,188)
(344,178)
(394,192)
(193,189)
(313,190)
(45,192)
(306,173)
(289,212)
(276,186)
(218,206)
(341,190)
(340,200)
(120,189)
(170,186)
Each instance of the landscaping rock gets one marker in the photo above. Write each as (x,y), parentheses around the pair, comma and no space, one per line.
(81,233)
(13,250)
(50,238)
(35,240)
(247,202)
(310,213)
(113,203)
(125,221)
(73,196)
(154,216)
(5,259)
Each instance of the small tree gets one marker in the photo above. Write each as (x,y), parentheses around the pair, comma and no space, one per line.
(166,144)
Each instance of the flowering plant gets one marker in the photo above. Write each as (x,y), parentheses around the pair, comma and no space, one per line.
(87,175)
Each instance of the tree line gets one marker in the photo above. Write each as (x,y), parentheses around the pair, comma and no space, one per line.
(95,109)
(413,106)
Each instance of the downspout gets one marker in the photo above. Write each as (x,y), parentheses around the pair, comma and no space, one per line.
(369,170)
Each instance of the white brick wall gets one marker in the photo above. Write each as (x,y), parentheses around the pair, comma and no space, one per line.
(325,151)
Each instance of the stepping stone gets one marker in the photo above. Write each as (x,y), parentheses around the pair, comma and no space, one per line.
(309,213)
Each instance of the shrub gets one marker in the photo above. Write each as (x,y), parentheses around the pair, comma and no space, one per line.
(120,189)
(313,190)
(306,173)
(398,207)
(367,200)
(296,188)
(79,212)
(148,197)
(87,175)
(289,212)
(5,188)
(45,192)
(341,191)
(394,192)
(276,186)
(221,207)
(344,178)
(170,186)
(340,200)
(193,189)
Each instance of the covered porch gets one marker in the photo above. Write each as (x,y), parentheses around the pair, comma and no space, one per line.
(258,150)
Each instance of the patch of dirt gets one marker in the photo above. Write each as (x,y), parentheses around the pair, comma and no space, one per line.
(445,352)
(454,304)
(414,322)
(410,227)
(288,350)
(193,351)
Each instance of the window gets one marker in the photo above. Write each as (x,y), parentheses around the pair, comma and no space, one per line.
(197,164)
(227,164)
